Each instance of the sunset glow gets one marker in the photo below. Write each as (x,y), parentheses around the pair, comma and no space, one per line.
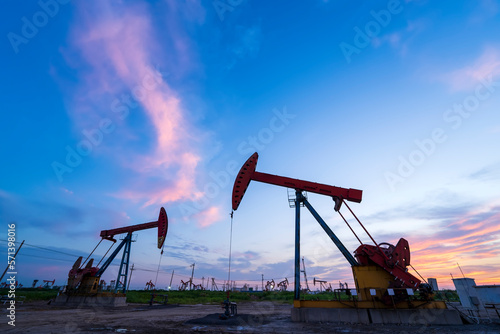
(114,109)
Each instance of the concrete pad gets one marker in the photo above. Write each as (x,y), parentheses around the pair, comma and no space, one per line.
(90,301)
(341,315)
(415,316)
(377,316)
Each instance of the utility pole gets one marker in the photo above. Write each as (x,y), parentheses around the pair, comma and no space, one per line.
(460,270)
(305,275)
(192,274)
(171,278)
(17,251)
(130,279)
(262,282)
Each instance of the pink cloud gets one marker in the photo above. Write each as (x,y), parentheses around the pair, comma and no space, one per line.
(207,217)
(472,243)
(120,49)
(468,77)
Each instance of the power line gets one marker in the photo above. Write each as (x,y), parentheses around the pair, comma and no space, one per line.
(164,271)
(51,258)
(44,257)
(47,249)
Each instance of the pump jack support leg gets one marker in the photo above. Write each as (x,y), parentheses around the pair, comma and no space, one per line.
(298,199)
(123,272)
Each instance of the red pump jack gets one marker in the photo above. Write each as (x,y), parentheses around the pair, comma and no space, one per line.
(380,270)
(85,280)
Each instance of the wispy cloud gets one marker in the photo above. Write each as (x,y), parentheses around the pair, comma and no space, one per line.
(401,40)
(484,10)
(56,216)
(247,44)
(241,262)
(472,240)
(469,76)
(450,232)
(120,49)
(488,173)
(208,216)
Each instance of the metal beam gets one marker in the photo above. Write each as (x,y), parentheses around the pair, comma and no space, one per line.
(109,234)
(123,272)
(352,261)
(110,259)
(297,244)
(247,173)
(350,194)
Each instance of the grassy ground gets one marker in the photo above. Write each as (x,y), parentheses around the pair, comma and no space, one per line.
(32,294)
(215,297)
(206,297)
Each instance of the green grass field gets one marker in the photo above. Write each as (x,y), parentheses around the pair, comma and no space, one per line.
(32,294)
(206,297)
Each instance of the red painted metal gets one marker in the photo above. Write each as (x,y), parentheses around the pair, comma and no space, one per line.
(162,227)
(345,220)
(248,173)
(161,223)
(243,179)
(76,274)
(393,259)
(363,226)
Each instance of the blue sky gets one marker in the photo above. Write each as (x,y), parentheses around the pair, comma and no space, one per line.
(111,110)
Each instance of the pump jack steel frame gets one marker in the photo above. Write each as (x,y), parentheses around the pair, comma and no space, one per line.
(248,173)
(380,274)
(299,199)
(85,280)
(126,244)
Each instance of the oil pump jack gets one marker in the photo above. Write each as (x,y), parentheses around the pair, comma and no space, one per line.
(84,280)
(380,271)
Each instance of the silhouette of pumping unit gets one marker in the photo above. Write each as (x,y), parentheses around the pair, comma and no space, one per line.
(85,280)
(380,271)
